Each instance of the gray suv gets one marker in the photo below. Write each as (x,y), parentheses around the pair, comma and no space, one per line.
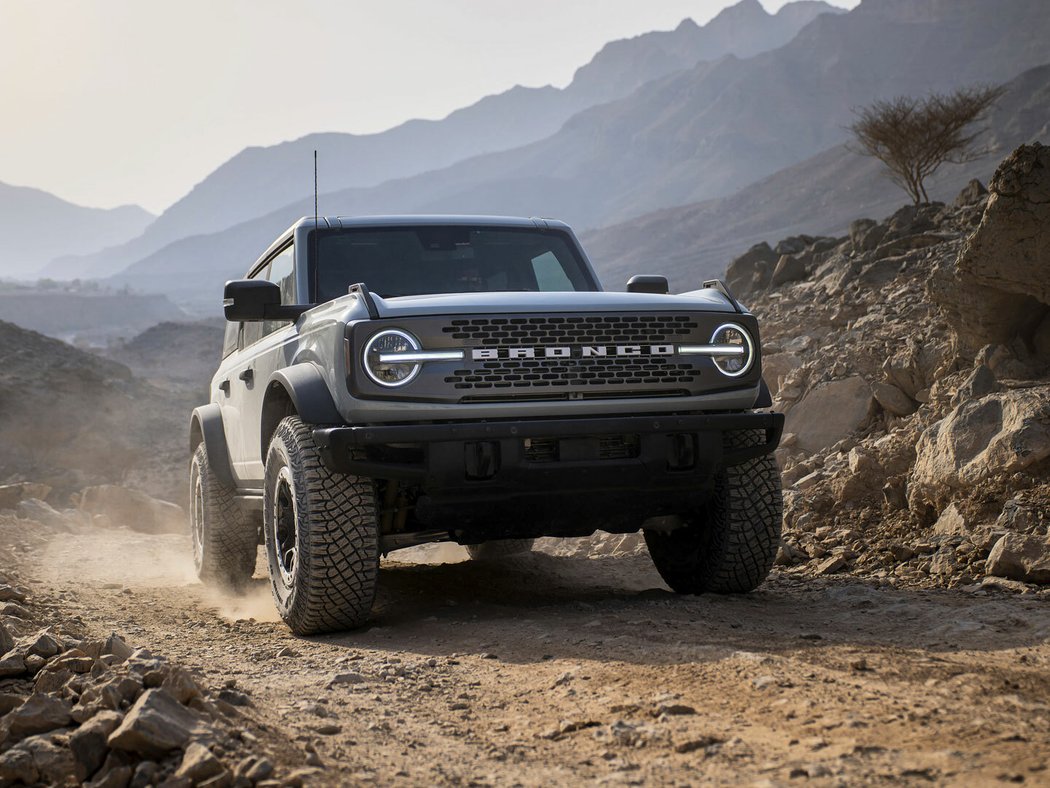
(391,381)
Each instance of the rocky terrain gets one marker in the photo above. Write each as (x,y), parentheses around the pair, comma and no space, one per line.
(903,637)
(536,671)
(912,360)
(81,707)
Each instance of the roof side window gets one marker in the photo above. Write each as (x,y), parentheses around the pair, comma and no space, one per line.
(280,269)
(282,273)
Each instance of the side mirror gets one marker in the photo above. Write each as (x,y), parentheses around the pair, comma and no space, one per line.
(250,299)
(648,283)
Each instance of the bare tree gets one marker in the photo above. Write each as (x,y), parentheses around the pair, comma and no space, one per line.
(915,136)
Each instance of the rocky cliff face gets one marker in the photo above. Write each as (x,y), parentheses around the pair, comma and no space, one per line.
(913,362)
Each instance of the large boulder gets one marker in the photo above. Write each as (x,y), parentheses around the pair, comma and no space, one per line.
(38,759)
(829,412)
(1021,557)
(38,714)
(998,289)
(1003,432)
(156,725)
(42,512)
(134,509)
(13,494)
(752,270)
(789,268)
(776,366)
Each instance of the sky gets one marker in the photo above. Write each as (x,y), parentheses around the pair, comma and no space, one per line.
(111,102)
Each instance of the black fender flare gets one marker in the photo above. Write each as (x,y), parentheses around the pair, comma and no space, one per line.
(206,427)
(304,386)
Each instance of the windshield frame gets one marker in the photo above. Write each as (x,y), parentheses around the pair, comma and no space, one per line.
(587,274)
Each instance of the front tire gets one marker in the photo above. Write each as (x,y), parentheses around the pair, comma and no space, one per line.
(498,548)
(321,531)
(727,547)
(225,538)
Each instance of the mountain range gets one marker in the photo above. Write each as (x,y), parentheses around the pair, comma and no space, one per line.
(36,227)
(696,134)
(818,196)
(258,181)
(672,151)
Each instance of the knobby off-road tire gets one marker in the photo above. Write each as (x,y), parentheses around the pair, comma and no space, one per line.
(498,548)
(729,546)
(225,538)
(321,531)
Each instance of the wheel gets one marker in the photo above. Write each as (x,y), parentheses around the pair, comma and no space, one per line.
(225,538)
(321,531)
(729,546)
(498,548)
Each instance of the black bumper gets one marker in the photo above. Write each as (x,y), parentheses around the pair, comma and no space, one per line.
(666,452)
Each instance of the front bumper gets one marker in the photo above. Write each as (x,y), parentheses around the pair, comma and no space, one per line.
(492,459)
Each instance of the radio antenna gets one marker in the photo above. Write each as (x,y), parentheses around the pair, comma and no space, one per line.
(317,230)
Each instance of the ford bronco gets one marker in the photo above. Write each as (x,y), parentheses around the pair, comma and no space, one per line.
(392,381)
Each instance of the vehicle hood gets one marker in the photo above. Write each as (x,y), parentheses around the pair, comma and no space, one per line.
(709,300)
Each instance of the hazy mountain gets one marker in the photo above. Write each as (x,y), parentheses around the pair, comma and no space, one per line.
(696,134)
(36,227)
(84,317)
(258,181)
(708,131)
(819,196)
(744,29)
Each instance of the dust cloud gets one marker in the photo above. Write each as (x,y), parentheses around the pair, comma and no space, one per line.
(120,555)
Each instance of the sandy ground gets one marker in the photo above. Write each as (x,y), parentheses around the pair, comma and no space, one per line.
(544,671)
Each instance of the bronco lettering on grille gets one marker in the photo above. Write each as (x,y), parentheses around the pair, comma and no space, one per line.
(565,351)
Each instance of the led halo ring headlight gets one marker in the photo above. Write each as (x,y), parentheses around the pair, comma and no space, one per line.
(737,363)
(391,341)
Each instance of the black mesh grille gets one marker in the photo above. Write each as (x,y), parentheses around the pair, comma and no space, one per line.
(570,329)
(601,371)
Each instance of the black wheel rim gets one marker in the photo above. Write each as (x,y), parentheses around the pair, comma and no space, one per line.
(286,540)
(197,517)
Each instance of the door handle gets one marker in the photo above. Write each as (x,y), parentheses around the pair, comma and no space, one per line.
(247,375)
(225,387)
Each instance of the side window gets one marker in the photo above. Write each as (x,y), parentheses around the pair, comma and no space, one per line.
(281,271)
(252,332)
(229,339)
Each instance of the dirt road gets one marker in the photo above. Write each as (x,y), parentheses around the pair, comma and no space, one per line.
(544,671)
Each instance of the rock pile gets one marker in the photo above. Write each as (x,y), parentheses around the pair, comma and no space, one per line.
(107,505)
(912,358)
(94,711)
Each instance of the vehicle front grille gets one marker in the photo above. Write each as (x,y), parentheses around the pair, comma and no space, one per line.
(570,329)
(601,371)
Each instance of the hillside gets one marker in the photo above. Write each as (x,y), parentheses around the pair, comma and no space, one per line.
(912,358)
(819,196)
(260,180)
(84,316)
(695,134)
(36,227)
(70,419)
(168,354)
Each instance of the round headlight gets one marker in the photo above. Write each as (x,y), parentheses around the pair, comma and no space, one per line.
(738,350)
(379,365)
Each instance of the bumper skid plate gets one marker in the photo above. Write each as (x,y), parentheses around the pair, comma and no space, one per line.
(665,449)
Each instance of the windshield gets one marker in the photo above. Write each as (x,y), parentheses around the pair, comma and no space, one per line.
(400,261)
